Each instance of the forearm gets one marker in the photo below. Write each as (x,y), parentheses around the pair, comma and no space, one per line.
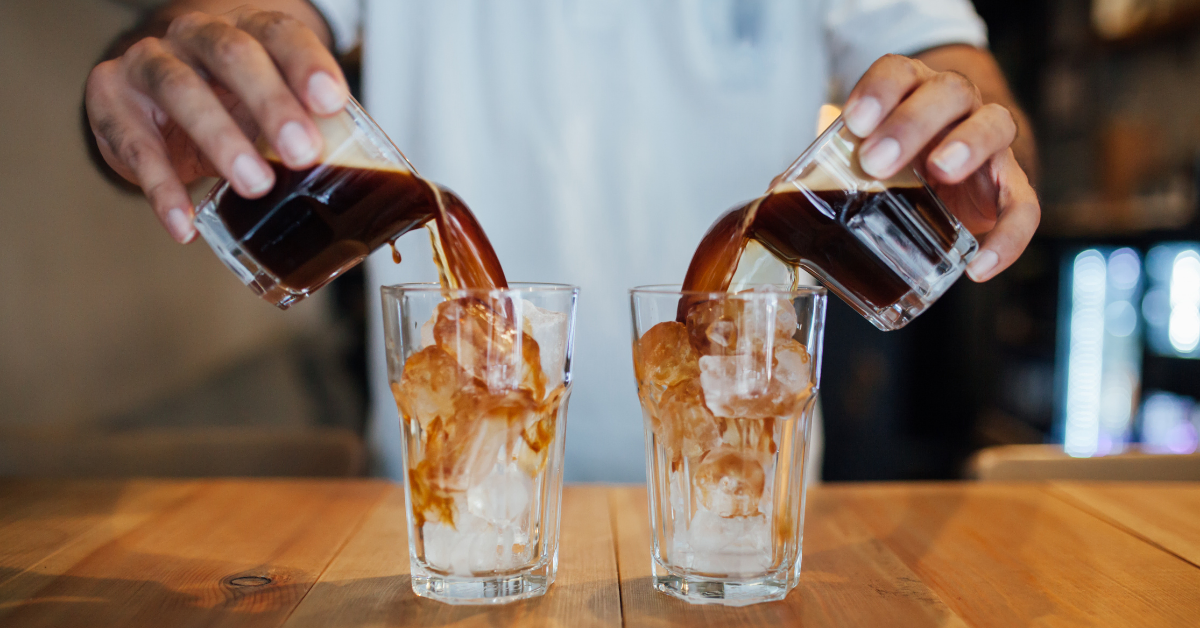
(981,68)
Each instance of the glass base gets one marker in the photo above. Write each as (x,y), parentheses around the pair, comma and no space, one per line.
(237,259)
(701,590)
(484,590)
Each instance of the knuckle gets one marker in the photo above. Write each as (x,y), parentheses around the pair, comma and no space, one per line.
(1006,116)
(143,48)
(954,81)
(188,22)
(900,66)
(1000,120)
(272,24)
(162,74)
(134,153)
(226,45)
(99,80)
(963,90)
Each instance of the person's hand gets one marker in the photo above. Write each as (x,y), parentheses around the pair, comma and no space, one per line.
(907,113)
(171,110)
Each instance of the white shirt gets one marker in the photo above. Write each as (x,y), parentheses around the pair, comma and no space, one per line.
(596,140)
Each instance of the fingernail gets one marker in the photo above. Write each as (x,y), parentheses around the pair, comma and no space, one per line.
(180,225)
(324,93)
(877,159)
(980,268)
(296,145)
(862,116)
(250,175)
(952,157)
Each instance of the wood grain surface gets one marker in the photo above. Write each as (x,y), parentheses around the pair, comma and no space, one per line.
(368,584)
(335,553)
(1164,513)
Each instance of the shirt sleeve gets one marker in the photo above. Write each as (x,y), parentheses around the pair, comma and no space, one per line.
(344,18)
(861,31)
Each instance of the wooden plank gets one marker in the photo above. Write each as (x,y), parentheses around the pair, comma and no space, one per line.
(41,518)
(1164,513)
(369,585)
(232,553)
(1014,555)
(848,578)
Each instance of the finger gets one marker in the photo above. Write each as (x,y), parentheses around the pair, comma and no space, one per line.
(191,103)
(887,82)
(1020,214)
(130,141)
(936,104)
(240,63)
(972,143)
(306,63)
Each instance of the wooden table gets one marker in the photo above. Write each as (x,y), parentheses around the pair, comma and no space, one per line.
(334,553)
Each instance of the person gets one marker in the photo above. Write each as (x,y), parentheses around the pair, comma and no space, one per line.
(594,139)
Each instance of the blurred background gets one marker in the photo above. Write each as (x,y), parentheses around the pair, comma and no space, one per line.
(125,354)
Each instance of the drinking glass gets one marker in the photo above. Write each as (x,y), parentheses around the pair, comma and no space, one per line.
(320,221)
(919,248)
(481,379)
(727,383)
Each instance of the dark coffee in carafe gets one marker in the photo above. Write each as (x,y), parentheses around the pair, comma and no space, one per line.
(888,248)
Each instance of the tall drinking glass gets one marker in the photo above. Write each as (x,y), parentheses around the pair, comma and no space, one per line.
(481,379)
(728,383)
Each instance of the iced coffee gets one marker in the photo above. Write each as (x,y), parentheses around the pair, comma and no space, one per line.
(727,389)
(481,379)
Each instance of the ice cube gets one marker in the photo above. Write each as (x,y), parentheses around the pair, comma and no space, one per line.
(427,332)
(492,550)
(784,313)
(732,326)
(737,386)
(713,326)
(729,483)
(687,426)
(444,550)
(474,546)
(792,369)
(750,435)
(533,446)
(729,545)
(549,329)
(501,498)
(482,337)
(463,449)
(664,357)
(765,320)
(427,386)
(749,385)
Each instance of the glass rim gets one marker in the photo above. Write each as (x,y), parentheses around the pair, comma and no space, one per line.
(675,289)
(355,110)
(817,145)
(514,288)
